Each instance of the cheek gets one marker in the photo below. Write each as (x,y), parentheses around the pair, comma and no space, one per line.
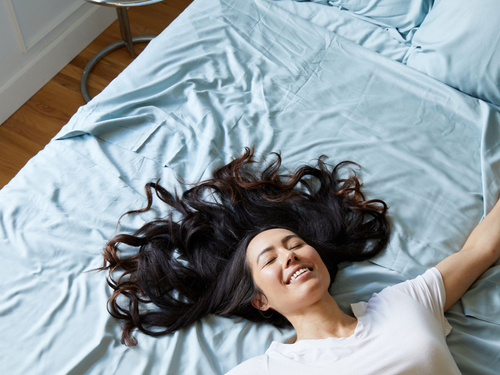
(320,265)
(326,274)
(266,279)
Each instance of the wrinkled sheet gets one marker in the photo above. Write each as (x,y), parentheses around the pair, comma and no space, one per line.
(224,75)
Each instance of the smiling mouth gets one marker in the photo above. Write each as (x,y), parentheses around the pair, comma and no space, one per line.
(298,273)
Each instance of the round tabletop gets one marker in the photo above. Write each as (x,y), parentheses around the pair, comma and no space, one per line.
(123,3)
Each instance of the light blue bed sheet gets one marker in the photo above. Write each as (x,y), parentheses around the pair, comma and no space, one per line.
(364,31)
(224,75)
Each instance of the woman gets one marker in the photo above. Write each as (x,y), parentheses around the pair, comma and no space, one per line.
(400,330)
(265,246)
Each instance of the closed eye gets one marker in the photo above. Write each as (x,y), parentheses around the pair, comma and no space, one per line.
(269,262)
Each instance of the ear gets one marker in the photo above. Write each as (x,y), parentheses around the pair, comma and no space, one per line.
(259,303)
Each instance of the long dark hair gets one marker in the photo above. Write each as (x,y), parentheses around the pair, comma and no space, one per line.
(193,262)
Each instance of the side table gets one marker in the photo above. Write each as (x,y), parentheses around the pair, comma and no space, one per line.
(127,39)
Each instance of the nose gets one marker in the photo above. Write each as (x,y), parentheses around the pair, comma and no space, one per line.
(290,257)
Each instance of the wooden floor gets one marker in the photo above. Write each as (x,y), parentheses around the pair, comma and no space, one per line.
(29,129)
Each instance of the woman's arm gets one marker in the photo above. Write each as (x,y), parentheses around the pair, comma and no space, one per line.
(480,251)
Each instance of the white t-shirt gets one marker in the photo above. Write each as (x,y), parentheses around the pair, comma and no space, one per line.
(400,330)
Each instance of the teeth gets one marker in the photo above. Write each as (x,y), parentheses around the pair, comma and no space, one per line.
(299,272)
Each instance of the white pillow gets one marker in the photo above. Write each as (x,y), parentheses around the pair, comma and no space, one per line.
(458,43)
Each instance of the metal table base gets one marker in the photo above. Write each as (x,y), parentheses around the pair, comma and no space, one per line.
(127,41)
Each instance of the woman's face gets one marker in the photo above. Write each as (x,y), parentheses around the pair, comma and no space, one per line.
(287,270)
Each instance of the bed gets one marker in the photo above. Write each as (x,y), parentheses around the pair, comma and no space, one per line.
(410,90)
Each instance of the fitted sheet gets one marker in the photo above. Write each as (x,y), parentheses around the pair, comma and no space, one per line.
(224,75)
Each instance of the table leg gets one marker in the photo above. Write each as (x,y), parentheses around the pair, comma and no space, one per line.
(125,29)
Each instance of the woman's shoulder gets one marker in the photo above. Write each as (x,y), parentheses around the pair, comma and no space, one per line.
(427,290)
(428,284)
(252,366)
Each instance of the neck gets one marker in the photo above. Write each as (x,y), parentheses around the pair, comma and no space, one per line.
(322,320)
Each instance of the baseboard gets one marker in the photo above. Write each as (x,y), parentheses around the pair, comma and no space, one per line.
(53,58)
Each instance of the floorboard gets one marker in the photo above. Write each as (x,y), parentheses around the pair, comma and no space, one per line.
(31,127)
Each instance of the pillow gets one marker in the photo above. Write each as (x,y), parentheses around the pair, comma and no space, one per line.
(458,43)
(404,15)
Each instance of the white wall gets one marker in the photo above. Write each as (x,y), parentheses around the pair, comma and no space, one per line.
(38,39)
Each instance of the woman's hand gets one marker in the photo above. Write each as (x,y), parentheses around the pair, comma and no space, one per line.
(480,251)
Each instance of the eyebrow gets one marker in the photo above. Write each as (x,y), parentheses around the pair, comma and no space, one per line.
(283,241)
